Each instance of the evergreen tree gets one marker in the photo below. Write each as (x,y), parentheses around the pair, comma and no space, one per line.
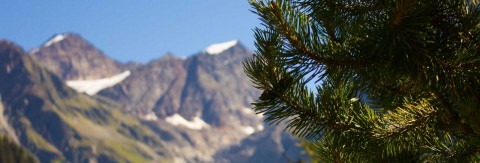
(395,80)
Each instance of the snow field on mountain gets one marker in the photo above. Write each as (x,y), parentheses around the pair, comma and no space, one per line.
(218,48)
(92,87)
(196,124)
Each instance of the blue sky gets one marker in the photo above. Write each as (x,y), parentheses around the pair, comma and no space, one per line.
(130,30)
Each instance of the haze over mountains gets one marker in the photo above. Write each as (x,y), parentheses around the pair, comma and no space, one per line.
(67,101)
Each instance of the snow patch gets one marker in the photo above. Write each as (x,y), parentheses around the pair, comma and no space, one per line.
(196,124)
(150,117)
(55,39)
(218,48)
(260,127)
(178,160)
(34,51)
(92,87)
(250,111)
(247,111)
(249,130)
(260,115)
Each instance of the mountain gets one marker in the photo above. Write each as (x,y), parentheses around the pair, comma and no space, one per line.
(216,88)
(194,109)
(210,86)
(208,92)
(56,123)
(273,145)
(73,58)
(202,85)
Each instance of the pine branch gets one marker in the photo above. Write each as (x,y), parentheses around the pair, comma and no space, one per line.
(416,62)
(279,14)
(406,119)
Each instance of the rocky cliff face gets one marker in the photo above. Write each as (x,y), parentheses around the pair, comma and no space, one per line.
(147,84)
(216,87)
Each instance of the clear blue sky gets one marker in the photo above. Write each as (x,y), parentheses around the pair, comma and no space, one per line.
(130,30)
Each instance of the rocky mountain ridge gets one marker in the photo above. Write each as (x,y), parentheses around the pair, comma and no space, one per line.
(198,107)
(73,58)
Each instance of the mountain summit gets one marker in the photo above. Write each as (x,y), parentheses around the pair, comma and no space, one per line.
(73,58)
(56,38)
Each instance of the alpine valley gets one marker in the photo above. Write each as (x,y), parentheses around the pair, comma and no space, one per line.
(66,101)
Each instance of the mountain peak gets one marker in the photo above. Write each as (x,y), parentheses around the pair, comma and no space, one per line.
(218,48)
(54,39)
(64,37)
(72,57)
(6,46)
